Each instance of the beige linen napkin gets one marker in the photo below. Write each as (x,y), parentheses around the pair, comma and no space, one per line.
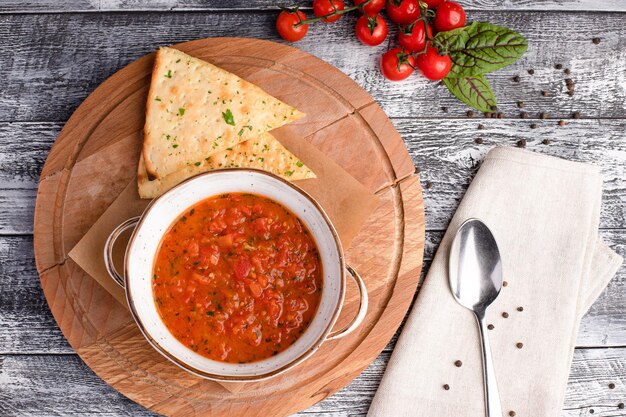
(544,213)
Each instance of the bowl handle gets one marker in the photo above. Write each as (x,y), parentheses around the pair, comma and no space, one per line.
(108,249)
(363,302)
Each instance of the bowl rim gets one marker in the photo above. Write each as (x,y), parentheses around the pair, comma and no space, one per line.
(238,378)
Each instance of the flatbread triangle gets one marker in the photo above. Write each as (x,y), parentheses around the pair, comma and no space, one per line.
(264,152)
(195,109)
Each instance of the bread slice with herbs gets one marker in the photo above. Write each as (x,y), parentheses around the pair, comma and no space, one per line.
(265,153)
(196,109)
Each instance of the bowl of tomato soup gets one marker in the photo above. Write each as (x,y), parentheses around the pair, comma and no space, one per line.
(235,275)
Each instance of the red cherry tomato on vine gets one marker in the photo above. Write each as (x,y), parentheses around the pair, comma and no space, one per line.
(371,8)
(324,7)
(285,24)
(413,38)
(450,15)
(433,4)
(371,30)
(403,12)
(433,65)
(397,64)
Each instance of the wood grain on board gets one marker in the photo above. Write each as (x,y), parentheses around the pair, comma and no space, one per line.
(95,157)
(49,84)
(28,326)
(443,149)
(66,386)
(66,6)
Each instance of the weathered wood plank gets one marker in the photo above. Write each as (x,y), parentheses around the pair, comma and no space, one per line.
(443,149)
(65,6)
(24,148)
(448,157)
(27,326)
(26,323)
(36,385)
(58,385)
(49,71)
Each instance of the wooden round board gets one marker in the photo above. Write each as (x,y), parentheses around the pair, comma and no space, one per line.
(342,120)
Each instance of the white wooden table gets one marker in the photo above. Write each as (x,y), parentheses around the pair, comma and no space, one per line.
(55,52)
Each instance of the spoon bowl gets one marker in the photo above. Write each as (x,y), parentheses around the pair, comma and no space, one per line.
(475,266)
(475,274)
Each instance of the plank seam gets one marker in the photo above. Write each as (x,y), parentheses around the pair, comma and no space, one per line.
(30,234)
(173,10)
(401,118)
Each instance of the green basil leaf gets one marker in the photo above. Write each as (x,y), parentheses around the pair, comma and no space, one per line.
(228,117)
(473,91)
(480,48)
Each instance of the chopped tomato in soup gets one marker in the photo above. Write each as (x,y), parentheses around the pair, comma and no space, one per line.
(237,278)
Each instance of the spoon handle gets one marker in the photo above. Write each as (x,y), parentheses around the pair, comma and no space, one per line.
(493,407)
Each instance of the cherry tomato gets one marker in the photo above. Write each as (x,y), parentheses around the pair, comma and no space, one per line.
(324,7)
(285,24)
(413,38)
(403,12)
(450,15)
(371,8)
(371,30)
(397,64)
(433,4)
(433,65)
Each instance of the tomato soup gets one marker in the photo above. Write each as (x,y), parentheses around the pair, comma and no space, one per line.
(237,278)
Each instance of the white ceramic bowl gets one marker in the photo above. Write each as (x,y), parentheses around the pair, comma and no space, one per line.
(163,211)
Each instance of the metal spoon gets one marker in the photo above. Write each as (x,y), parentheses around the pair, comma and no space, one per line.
(475,273)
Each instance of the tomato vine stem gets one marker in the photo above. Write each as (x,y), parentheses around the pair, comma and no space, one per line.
(335,13)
